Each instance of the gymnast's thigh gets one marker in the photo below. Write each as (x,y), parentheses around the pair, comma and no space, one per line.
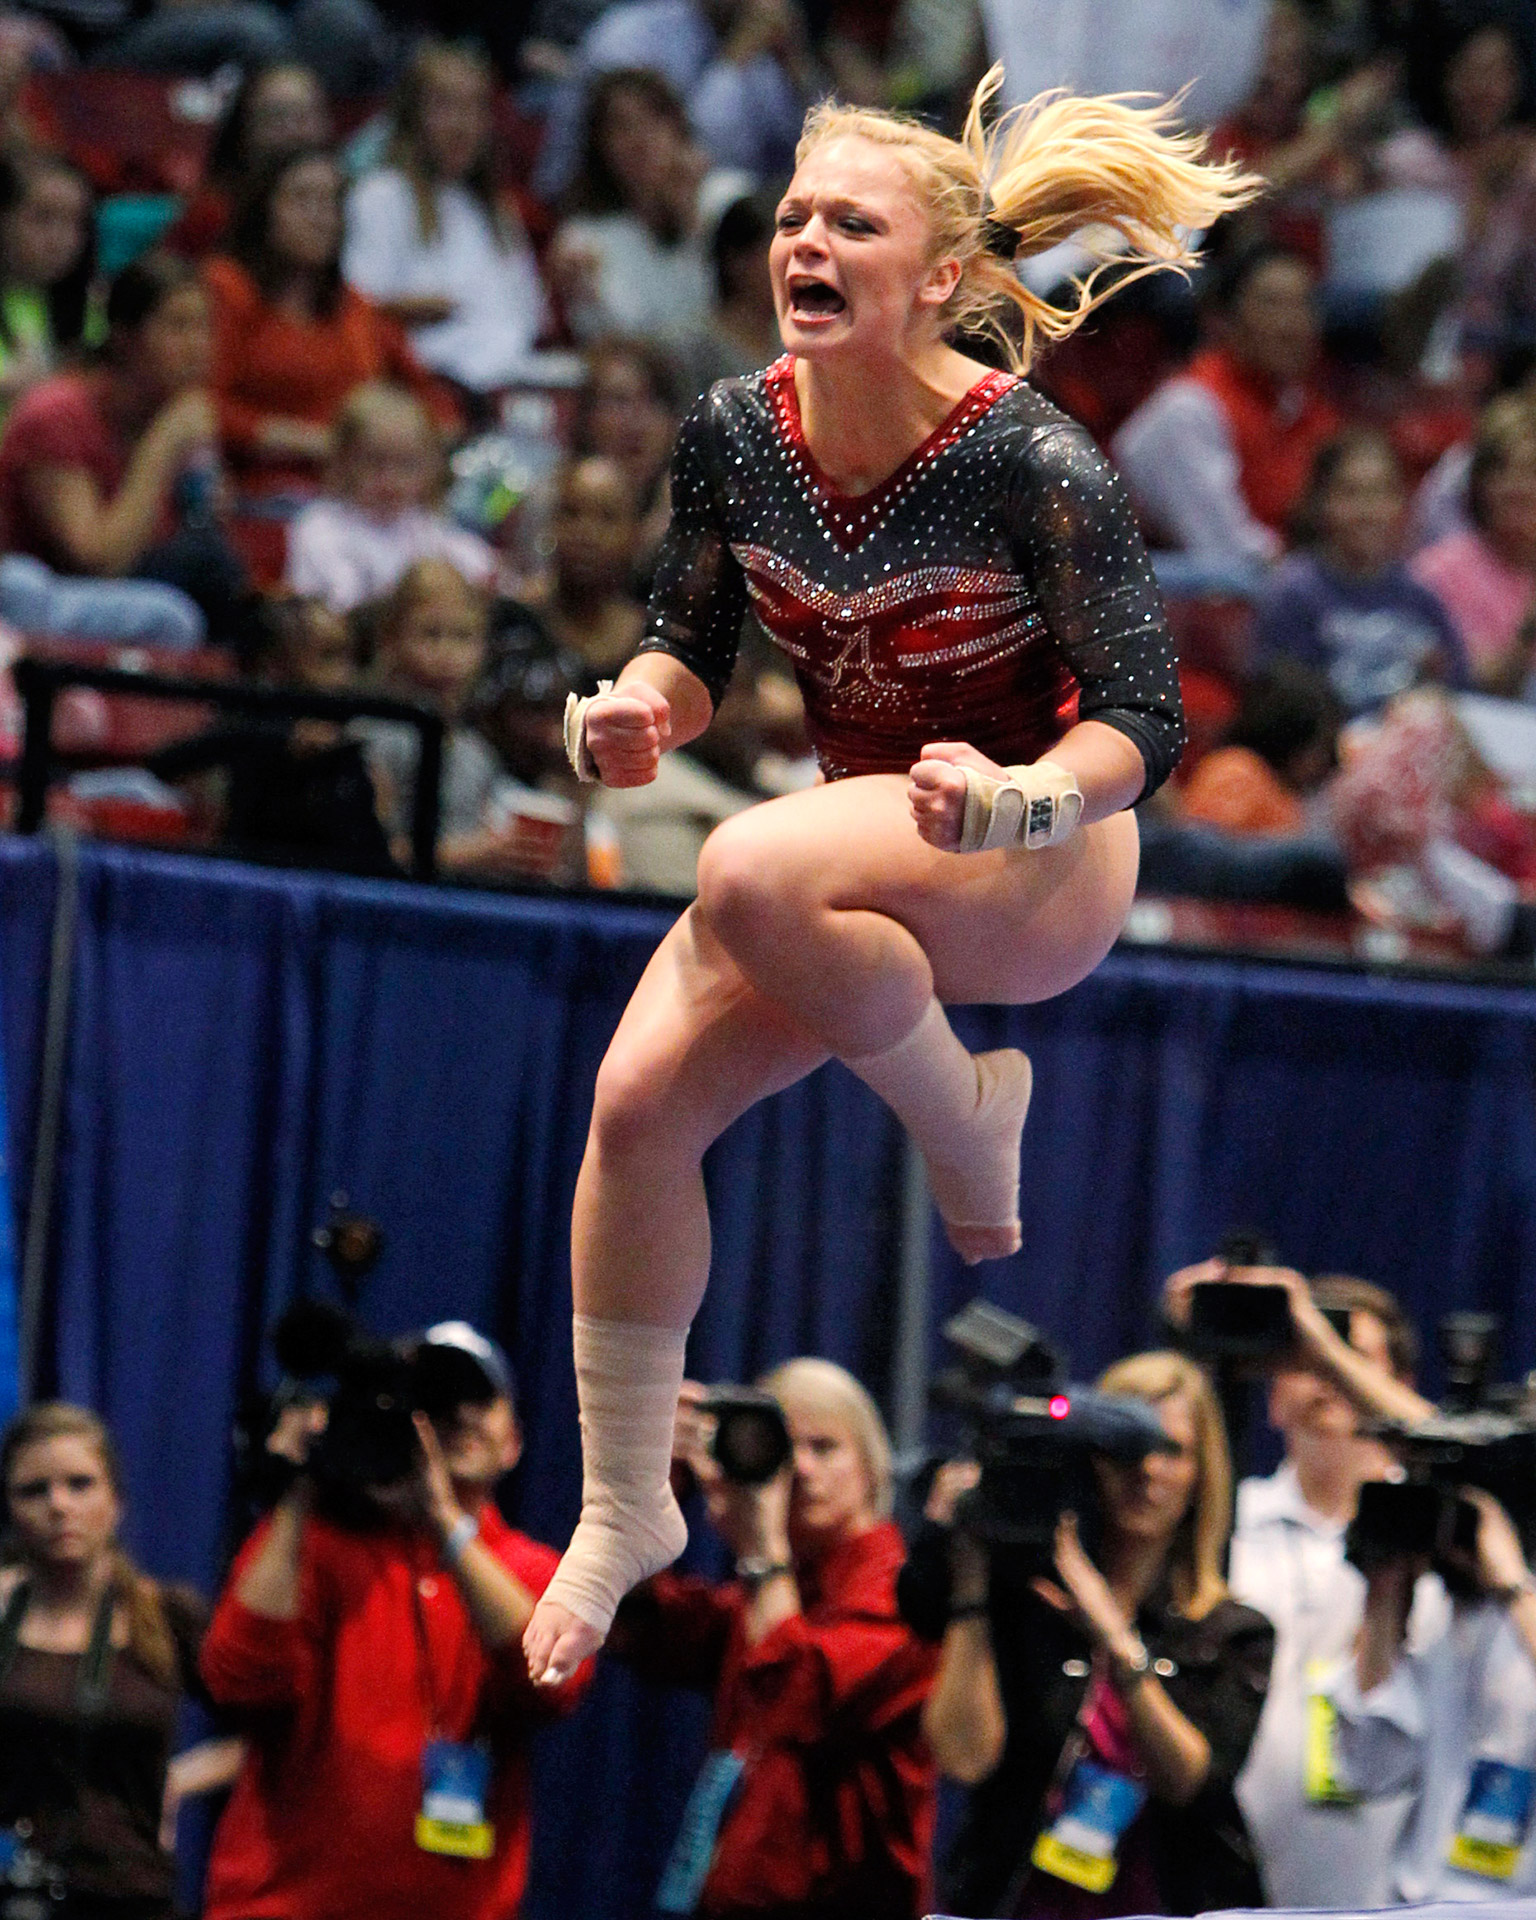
(1008,926)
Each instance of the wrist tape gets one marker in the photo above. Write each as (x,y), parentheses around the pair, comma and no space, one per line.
(1034,806)
(576,750)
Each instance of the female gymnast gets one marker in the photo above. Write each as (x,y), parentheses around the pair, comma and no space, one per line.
(951,566)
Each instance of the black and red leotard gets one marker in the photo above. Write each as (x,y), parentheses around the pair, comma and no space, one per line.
(992,590)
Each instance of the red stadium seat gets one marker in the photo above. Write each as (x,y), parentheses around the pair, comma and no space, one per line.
(115,729)
(131,132)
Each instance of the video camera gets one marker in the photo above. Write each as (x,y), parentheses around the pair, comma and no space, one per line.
(1242,1324)
(1033,1432)
(1484,1436)
(370,1389)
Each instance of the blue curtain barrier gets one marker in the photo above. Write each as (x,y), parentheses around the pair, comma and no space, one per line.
(245,1043)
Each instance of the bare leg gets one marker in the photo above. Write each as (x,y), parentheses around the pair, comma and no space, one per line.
(697,1046)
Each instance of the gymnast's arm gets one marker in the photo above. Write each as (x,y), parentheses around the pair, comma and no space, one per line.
(668,693)
(1073,528)
(1073,537)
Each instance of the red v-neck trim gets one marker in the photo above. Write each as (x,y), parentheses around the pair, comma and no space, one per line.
(852,517)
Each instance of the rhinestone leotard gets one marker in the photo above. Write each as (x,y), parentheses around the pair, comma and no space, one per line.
(993,589)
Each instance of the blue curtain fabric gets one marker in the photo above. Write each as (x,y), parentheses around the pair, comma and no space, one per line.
(244,1044)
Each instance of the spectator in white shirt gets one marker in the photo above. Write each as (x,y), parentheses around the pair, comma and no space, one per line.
(1317,1847)
(1453,1725)
(432,240)
(353,544)
(1212,48)
(633,254)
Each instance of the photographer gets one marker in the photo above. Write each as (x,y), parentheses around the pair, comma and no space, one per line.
(1453,1725)
(1102,1712)
(94,1661)
(1318,1845)
(377,1654)
(817,1799)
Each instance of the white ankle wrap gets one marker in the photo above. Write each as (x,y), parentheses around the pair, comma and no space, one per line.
(627,1380)
(582,764)
(1035,806)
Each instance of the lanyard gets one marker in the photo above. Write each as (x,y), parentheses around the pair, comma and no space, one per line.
(1074,1748)
(434,1702)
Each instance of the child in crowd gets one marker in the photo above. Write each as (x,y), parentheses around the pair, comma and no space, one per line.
(379,516)
(1277,753)
(1346,604)
(432,646)
(590,606)
(628,410)
(297,793)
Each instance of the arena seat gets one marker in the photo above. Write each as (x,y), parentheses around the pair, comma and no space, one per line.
(130,132)
(99,730)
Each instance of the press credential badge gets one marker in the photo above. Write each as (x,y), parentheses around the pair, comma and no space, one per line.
(1081,1843)
(455,1779)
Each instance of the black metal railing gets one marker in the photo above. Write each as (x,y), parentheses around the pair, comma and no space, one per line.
(40,682)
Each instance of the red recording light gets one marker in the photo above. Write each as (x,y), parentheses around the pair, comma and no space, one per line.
(1060,1406)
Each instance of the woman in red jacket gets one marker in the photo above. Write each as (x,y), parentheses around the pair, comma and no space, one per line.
(291,339)
(816,1801)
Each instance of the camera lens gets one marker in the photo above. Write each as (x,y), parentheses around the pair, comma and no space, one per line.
(751,1441)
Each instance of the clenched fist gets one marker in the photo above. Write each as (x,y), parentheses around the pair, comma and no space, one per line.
(627,732)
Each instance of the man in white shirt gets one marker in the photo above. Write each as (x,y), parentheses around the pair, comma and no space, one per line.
(1317,1846)
(1452,1725)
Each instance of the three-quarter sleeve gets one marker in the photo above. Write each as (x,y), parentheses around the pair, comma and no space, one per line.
(699,598)
(1074,533)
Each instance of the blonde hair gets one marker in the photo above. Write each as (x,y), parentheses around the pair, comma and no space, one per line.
(381,403)
(1506,428)
(832,1390)
(1199,1545)
(423,580)
(373,403)
(150,1641)
(1049,171)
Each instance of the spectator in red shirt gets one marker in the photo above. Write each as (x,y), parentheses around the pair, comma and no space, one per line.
(1219,457)
(818,1685)
(353,1650)
(291,339)
(113,471)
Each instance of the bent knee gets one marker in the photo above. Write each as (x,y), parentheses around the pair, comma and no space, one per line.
(748,889)
(629,1102)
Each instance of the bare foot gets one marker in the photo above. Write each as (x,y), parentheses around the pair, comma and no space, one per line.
(978,1195)
(555,1642)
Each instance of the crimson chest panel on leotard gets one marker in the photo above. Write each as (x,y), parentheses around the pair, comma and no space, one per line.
(993,580)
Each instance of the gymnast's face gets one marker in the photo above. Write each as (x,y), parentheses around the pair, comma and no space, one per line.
(852,255)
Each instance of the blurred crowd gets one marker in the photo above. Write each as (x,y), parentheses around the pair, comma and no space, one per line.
(1158,1697)
(370,381)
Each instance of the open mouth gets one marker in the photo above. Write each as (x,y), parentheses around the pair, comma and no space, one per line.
(813,299)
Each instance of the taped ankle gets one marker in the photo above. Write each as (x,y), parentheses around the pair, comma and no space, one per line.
(627,1381)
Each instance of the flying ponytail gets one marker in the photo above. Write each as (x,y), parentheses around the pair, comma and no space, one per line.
(1113,172)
